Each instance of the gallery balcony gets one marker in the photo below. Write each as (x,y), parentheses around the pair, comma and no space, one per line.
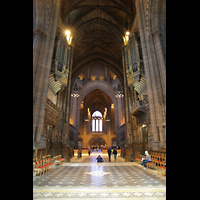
(139,110)
(52,107)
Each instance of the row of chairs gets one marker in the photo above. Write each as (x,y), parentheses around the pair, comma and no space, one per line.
(44,157)
(161,154)
(43,166)
(157,162)
(59,160)
(46,164)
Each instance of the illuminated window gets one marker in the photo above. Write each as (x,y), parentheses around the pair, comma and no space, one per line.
(97,124)
(93,125)
(97,121)
(100,125)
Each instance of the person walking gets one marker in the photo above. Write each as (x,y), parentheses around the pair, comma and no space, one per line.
(109,153)
(115,154)
(89,151)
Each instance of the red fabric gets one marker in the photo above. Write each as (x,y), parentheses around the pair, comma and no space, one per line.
(162,167)
(45,165)
(61,159)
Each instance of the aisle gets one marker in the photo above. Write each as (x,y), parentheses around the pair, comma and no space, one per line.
(94,155)
(87,179)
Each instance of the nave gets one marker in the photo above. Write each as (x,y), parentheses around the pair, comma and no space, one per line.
(84,178)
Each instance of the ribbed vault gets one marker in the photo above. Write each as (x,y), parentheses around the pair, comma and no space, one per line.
(97,27)
(97,100)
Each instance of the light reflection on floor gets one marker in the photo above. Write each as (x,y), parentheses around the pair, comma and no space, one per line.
(85,178)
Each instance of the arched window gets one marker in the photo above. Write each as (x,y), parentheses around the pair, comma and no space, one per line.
(97,121)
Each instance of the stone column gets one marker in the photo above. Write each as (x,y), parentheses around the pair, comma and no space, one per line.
(154,67)
(42,59)
(68,92)
(127,119)
(119,111)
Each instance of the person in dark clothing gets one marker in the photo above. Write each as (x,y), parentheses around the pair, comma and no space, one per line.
(109,153)
(89,151)
(99,159)
(115,154)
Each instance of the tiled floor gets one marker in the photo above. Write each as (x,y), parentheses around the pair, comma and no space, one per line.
(84,178)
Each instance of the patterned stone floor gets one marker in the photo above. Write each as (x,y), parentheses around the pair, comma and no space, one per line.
(87,179)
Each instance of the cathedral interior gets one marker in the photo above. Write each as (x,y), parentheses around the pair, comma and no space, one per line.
(99,81)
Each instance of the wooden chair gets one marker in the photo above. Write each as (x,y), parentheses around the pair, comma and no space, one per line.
(39,169)
(151,165)
(162,167)
(138,160)
(59,160)
(35,165)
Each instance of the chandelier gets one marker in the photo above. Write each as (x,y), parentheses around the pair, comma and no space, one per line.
(119,95)
(75,94)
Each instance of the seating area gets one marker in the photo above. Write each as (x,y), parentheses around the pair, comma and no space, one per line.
(59,160)
(43,166)
(158,162)
(46,164)
(140,158)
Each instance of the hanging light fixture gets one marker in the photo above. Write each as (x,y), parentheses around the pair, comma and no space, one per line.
(68,37)
(119,95)
(75,94)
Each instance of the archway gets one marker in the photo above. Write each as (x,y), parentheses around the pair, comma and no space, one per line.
(87,88)
(97,141)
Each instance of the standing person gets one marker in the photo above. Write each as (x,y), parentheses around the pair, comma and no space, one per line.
(115,154)
(89,151)
(144,161)
(109,153)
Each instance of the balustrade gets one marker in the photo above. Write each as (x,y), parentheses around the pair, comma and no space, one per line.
(139,109)
(53,106)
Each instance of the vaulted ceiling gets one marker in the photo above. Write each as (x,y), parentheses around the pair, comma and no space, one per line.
(97,27)
(97,100)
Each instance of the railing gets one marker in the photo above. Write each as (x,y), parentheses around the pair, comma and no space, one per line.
(52,105)
(140,103)
(139,109)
